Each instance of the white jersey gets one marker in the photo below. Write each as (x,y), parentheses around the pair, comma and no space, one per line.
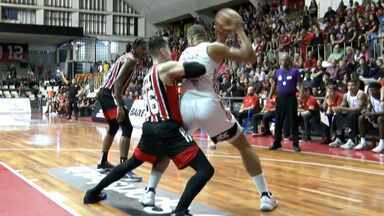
(353,101)
(200,106)
(376,104)
(203,85)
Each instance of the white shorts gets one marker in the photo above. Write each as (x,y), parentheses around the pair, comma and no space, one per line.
(209,114)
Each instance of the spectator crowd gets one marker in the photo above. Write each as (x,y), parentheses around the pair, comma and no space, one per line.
(339,59)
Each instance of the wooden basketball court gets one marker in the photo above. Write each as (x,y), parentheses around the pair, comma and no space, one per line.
(305,184)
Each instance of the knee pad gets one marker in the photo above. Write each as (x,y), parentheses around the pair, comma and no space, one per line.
(228,135)
(113,127)
(126,130)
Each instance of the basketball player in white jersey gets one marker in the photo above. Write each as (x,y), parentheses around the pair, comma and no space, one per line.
(373,116)
(347,115)
(110,97)
(201,107)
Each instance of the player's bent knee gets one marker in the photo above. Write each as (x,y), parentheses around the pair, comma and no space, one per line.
(240,142)
(206,172)
(113,127)
(210,171)
(161,165)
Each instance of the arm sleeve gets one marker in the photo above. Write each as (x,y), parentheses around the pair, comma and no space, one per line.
(193,69)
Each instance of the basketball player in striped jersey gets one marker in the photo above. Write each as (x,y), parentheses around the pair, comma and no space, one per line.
(163,133)
(201,107)
(110,98)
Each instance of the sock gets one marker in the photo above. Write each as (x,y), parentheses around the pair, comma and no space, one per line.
(122,159)
(362,139)
(154,179)
(104,157)
(381,141)
(260,183)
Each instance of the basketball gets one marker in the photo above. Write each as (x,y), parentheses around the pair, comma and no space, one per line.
(228,19)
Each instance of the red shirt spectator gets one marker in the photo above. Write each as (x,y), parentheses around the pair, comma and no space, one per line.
(310,63)
(285,40)
(310,103)
(251,101)
(335,100)
(360,9)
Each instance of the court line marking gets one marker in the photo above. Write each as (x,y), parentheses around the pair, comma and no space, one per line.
(84,124)
(324,155)
(275,160)
(329,194)
(351,169)
(38,188)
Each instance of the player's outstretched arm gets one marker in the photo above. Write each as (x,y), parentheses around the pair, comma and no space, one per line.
(63,78)
(172,71)
(219,51)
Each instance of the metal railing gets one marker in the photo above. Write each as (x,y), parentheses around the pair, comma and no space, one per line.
(374,41)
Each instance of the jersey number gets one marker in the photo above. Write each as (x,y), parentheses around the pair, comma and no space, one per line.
(152,102)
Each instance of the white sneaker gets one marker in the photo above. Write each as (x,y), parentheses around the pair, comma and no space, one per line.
(267,202)
(348,145)
(361,146)
(379,148)
(211,146)
(148,198)
(336,143)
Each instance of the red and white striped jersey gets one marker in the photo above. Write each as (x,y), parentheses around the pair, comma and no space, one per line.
(115,69)
(162,101)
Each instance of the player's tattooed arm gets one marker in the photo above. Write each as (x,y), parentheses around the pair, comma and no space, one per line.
(124,74)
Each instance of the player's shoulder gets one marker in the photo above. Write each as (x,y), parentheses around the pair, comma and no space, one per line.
(127,57)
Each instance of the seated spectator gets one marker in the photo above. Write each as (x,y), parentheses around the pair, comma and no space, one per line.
(249,107)
(351,35)
(237,89)
(309,111)
(370,74)
(347,115)
(333,99)
(336,55)
(372,116)
(266,115)
(311,61)
(373,24)
(338,35)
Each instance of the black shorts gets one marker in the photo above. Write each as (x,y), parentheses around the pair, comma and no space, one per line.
(166,139)
(107,103)
(109,107)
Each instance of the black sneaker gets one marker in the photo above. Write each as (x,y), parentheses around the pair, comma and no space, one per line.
(132,177)
(91,197)
(296,148)
(275,147)
(181,213)
(105,167)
